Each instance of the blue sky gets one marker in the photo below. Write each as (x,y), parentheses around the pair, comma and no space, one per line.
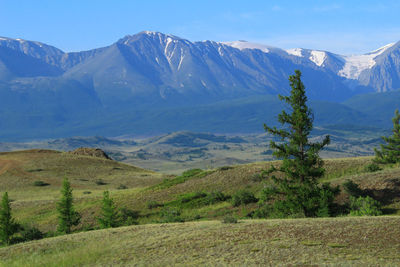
(346,27)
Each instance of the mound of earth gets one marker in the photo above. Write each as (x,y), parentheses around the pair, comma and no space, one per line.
(93,152)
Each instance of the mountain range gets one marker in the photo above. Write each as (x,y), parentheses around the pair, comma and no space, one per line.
(151,83)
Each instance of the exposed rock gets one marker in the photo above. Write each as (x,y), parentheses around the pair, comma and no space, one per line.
(93,152)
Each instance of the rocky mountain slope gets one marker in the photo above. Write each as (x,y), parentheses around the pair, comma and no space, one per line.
(151,74)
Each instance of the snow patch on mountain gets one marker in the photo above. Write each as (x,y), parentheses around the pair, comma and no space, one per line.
(355,64)
(295,52)
(247,45)
(318,57)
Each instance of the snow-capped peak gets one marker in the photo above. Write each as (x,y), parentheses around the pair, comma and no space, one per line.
(150,32)
(380,50)
(247,45)
(355,64)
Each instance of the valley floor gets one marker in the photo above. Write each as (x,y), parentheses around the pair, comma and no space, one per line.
(355,241)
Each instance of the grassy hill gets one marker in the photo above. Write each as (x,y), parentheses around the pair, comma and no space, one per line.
(179,151)
(89,176)
(193,197)
(369,241)
(194,194)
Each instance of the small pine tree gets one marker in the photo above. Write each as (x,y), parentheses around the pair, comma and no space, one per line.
(298,192)
(109,214)
(8,227)
(67,215)
(390,152)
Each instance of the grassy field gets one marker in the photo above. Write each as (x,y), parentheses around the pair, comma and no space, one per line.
(89,176)
(135,188)
(202,239)
(348,241)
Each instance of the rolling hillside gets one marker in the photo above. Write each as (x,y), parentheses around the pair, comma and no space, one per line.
(201,239)
(339,241)
(135,188)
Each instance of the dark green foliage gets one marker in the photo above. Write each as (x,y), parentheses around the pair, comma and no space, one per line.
(28,233)
(198,199)
(353,189)
(229,219)
(8,227)
(225,168)
(197,217)
(40,183)
(122,186)
(297,193)
(390,152)
(372,167)
(128,217)
(365,206)
(193,173)
(35,170)
(109,216)
(243,197)
(67,216)
(309,201)
(190,197)
(168,215)
(215,197)
(257,177)
(87,192)
(152,204)
(100,182)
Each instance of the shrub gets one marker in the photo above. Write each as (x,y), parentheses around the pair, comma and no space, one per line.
(365,206)
(257,177)
(197,217)
(225,168)
(29,233)
(168,215)
(35,170)
(128,216)
(216,196)
(152,204)
(278,210)
(122,186)
(229,219)
(40,183)
(100,182)
(372,168)
(198,199)
(243,197)
(87,192)
(308,201)
(353,189)
(191,172)
(185,198)
(166,183)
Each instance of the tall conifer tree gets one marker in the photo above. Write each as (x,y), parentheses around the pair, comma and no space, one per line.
(67,216)
(109,214)
(390,152)
(8,227)
(298,192)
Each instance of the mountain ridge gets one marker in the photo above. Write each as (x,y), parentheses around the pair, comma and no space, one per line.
(150,75)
